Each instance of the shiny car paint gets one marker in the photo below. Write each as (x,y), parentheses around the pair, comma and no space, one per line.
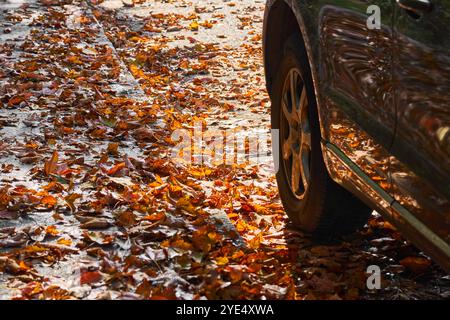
(384,105)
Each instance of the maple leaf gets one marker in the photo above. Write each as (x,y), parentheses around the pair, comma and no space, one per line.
(155,216)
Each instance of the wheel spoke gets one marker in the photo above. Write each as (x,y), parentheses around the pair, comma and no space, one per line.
(294,78)
(296,172)
(293,89)
(287,149)
(306,139)
(303,98)
(286,112)
(304,158)
(304,119)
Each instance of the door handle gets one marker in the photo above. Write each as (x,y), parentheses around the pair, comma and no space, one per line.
(416,6)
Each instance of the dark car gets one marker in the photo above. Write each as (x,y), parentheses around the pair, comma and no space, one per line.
(363,115)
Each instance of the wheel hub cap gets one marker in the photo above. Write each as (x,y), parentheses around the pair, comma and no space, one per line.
(295,133)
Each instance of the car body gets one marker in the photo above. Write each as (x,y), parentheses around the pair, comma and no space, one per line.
(383,103)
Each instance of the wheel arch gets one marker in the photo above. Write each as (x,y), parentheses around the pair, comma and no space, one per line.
(282,18)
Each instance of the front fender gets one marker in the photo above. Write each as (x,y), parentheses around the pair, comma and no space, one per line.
(277,25)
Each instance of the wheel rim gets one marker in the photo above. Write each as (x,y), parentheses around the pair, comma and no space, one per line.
(295,134)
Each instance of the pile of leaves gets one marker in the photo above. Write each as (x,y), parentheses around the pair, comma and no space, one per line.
(93,205)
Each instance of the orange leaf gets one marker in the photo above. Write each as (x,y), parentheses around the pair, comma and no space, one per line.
(65,242)
(50,165)
(241,225)
(74,60)
(238,254)
(51,231)
(49,201)
(18,99)
(206,24)
(181,244)
(23,266)
(116,168)
(155,217)
(256,241)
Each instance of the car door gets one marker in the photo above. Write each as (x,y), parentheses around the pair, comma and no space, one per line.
(420,164)
(357,91)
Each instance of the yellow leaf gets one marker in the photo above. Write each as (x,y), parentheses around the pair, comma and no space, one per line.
(194,25)
(221,261)
(256,241)
(64,242)
(51,231)
(238,254)
(185,204)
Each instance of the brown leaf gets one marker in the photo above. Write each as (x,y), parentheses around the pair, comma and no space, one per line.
(18,99)
(9,215)
(70,200)
(126,219)
(90,277)
(113,148)
(96,223)
(144,135)
(144,289)
(11,266)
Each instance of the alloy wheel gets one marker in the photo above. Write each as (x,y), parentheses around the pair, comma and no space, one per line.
(295,133)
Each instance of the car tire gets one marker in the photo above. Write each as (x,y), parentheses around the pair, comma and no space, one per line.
(320,207)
